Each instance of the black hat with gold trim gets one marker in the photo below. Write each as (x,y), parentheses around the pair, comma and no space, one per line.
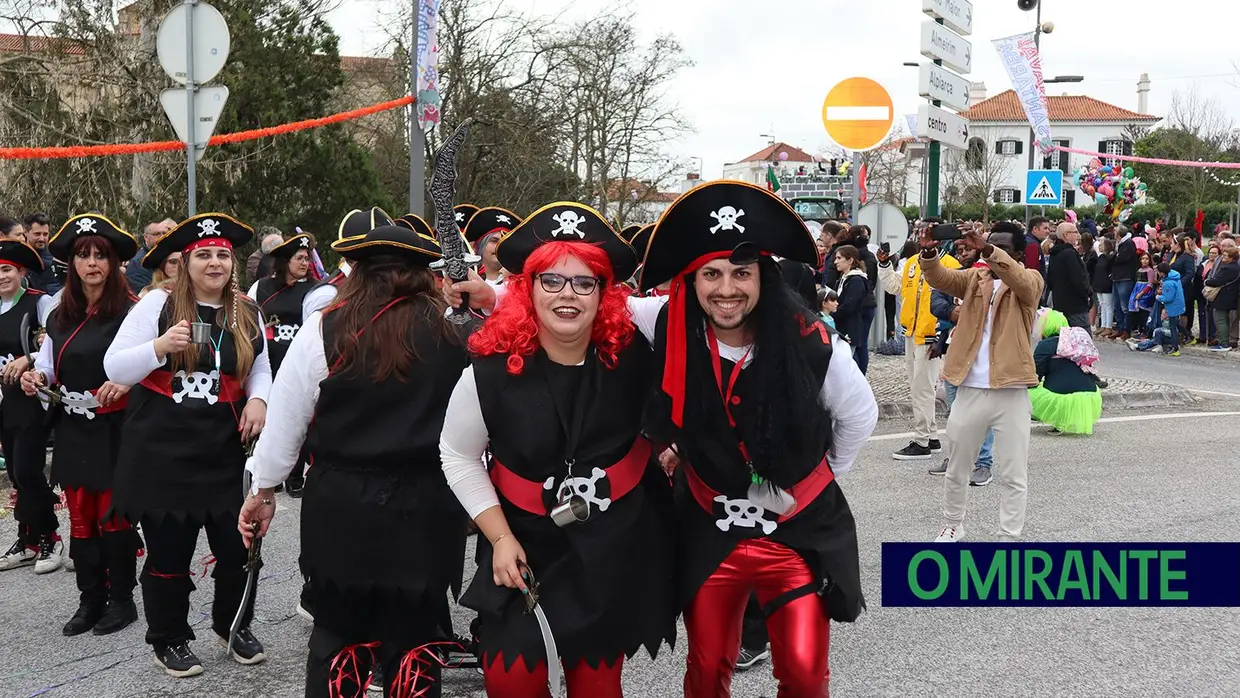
(566,221)
(61,244)
(490,220)
(724,219)
(292,246)
(358,222)
(641,239)
(202,230)
(629,231)
(17,253)
(463,213)
(392,241)
(415,223)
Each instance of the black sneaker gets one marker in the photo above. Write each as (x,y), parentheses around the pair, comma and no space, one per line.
(747,657)
(88,614)
(913,451)
(376,678)
(178,660)
(295,489)
(246,649)
(935,446)
(118,617)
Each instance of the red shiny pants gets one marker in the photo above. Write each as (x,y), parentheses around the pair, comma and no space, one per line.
(582,680)
(86,512)
(799,631)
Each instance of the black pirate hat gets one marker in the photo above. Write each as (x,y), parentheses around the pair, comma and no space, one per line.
(415,223)
(629,231)
(463,213)
(357,222)
(19,254)
(724,219)
(293,245)
(486,221)
(566,222)
(202,230)
(61,244)
(391,240)
(641,239)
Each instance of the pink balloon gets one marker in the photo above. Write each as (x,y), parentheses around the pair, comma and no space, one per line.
(783,156)
(1107,190)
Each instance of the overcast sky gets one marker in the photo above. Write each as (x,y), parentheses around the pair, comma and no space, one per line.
(765,67)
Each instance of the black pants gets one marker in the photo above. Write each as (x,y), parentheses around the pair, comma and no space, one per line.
(25,457)
(754,636)
(166,583)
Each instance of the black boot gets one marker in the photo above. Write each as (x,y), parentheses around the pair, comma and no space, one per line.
(120,550)
(92,583)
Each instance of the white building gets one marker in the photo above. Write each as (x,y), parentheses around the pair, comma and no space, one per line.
(753,168)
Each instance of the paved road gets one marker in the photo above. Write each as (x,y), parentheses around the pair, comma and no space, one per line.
(1195,368)
(1138,478)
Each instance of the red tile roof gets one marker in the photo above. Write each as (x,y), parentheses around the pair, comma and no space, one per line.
(366,63)
(17,43)
(1005,106)
(771,152)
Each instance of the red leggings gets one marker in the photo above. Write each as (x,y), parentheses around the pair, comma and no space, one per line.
(86,510)
(800,633)
(583,681)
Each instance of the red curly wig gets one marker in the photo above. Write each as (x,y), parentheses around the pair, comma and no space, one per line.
(513,328)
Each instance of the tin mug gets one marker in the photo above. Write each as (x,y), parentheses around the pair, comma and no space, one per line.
(574,509)
(200,332)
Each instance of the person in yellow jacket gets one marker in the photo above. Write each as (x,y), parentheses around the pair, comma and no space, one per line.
(920,328)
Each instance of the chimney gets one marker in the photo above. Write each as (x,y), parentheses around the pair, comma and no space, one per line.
(977,92)
(1143,93)
(692,179)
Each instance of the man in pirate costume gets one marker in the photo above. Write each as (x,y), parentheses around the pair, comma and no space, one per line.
(463,212)
(23,423)
(280,297)
(196,357)
(88,414)
(561,412)
(367,383)
(483,232)
(354,223)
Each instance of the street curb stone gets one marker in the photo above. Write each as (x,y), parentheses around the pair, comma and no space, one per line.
(1168,397)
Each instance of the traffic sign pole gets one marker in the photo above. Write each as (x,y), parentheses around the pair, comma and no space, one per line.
(932,178)
(191,162)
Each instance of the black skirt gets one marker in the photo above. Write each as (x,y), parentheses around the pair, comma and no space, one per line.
(85,451)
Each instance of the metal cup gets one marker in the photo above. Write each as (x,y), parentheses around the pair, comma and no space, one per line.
(200,332)
(573,510)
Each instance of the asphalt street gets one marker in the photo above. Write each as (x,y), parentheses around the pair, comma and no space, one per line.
(1195,368)
(1141,477)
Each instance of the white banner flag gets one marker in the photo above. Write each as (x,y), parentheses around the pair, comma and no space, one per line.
(428,64)
(1020,57)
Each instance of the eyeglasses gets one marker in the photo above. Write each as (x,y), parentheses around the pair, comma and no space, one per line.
(582,285)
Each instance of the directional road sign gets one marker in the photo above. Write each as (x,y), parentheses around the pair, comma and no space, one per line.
(211,42)
(957,14)
(941,125)
(1044,188)
(858,113)
(939,42)
(939,83)
(208,105)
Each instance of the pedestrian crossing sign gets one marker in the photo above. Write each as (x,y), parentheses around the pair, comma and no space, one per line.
(1044,188)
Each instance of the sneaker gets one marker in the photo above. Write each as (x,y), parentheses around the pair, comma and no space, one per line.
(295,489)
(247,649)
(119,615)
(1156,350)
(950,534)
(18,556)
(1054,432)
(376,678)
(980,477)
(178,660)
(940,469)
(88,614)
(1133,344)
(304,614)
(935,446)
(463,654)
(51,555)
(747,657)
(913,451)
(1220,348)
(1173,352)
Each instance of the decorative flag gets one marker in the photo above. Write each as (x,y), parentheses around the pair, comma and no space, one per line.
(1020,57)
(427,105)
(772,182)
(863,174)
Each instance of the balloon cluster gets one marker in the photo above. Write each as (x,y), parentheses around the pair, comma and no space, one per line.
(1115,189)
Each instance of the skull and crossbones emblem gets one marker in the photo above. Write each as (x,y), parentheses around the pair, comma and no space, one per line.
(460,216)
(742,512)
(584,487)
(569,224)
(503,219)
(209,226)
(727,219)
(4,360)
(305,242)
(285,333)
(78,399)
(86,225)
(196,385)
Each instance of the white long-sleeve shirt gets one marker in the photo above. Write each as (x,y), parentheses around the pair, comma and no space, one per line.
(845,393)
(131,357)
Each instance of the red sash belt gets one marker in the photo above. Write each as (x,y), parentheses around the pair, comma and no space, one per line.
(114,407)
(528,495)
(804,492)
(231,389)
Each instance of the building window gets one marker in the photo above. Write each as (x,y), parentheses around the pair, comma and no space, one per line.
(1116,146)
(975,156)
(1057,160)
(1007,196)
(1008,146)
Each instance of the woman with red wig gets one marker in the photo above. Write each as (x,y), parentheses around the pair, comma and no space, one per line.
(88,413)
(575,508)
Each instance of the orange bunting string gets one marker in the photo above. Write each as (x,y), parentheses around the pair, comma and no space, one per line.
(84,151)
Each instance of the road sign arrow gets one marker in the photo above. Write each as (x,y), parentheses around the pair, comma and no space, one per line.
(208,105)
(968,55)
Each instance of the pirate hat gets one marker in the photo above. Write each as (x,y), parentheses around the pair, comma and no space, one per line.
(641,239)
(393,240)
(463,213)
(629,231)
(491,219)
(61,244)
(293,245)
(19,254)
(415,223)
(357,222)
(723,220)
(202,230)
(566,221)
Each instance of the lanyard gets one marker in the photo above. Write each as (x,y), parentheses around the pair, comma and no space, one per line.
(572,417)
(59,354)
(215,349)
(726,393)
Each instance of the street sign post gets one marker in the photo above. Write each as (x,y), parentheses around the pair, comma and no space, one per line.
(957,14)
(943,126)
(944,85)
(941,43)
(208,105)
(858,114)
(1044,188)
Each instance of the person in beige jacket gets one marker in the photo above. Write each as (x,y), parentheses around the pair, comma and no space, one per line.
(991,359)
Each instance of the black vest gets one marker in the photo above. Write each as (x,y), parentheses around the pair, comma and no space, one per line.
(18,409)
(78,348)
(281,306)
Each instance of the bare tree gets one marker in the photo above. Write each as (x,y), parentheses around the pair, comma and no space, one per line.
(1201,116)
(972,175)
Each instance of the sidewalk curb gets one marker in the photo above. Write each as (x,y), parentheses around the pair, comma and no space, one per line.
(1169,397)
